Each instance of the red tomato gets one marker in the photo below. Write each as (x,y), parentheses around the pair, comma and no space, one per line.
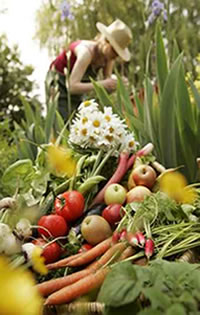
(112,213)
(54,223)
(85,247)
(51,252)
(70,205)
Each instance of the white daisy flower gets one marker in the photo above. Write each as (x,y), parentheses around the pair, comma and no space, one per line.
(128,143)
(88,106)
(93,128)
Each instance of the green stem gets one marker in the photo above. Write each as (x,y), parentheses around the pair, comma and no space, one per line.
(3,218)
(17,262)
(98,159)
(134,257)
(105,159)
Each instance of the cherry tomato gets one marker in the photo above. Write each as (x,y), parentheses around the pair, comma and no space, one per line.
(51,252)
(85,247)
(70,205)
(54,223)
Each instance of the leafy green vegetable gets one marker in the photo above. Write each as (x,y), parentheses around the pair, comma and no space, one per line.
(125,281)
(162,287)
(157,209)
(19,175)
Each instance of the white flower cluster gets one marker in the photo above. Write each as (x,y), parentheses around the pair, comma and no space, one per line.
(93,128)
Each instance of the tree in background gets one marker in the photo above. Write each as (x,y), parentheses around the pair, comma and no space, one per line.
(14,82)
(182,24)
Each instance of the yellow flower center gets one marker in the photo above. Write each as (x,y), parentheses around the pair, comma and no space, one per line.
(84,120)
(131,144)
(96,123)
(111,129)
(87,103)
(107,118)
(109,138)
(84,131)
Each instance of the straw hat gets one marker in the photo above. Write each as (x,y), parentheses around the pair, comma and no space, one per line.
(119,35)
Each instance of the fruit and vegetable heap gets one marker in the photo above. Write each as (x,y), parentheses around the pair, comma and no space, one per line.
(114,229)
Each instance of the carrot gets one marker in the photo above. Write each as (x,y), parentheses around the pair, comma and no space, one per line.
(116,177)
(129,251)
(119,247)
(81,287)
(62,262)
(47,287)
(53,285)
(91,254)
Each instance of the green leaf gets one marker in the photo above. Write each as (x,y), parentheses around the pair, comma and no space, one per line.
(125,98)
(177,309)
(148,104)
(120,287)
(167,117)
(184,107)
(158,299)
(29,114)
(102,94)
(140,107)
(50,118)
(150,311)
(161,59)
(39,134)
(19,175)
(175,51)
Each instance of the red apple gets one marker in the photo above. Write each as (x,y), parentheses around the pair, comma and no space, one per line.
(144,175)
(112,213)
(115,193)
(137,193)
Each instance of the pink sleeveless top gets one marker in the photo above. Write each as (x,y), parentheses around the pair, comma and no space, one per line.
(61,61)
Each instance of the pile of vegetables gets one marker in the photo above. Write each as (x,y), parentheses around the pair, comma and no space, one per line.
(103,217)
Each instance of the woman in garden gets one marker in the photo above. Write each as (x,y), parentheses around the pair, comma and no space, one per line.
(73,68)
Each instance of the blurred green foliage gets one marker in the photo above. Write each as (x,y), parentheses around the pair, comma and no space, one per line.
(8,151)
(14,82)
(182,24)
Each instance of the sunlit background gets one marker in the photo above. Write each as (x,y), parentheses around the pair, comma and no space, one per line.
(18,22)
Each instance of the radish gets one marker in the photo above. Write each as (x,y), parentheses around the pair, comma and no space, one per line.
(149,248)
(123,235)
(132,239)
(141,239)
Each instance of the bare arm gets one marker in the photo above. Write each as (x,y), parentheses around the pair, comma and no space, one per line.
(109,69)
(84,59)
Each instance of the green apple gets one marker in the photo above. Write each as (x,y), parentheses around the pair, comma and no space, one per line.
(95,229)
(115,193)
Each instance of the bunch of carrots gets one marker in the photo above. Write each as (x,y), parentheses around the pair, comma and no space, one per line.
(96,263)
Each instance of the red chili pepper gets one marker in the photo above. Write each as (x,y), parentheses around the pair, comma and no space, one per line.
(149,248)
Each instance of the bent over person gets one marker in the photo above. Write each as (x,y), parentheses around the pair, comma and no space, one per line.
(83,59)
